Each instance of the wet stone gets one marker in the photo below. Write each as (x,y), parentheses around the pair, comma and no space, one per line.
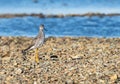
(54,57)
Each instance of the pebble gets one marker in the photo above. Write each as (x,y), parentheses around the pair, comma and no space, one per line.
(69,82)
(18,71)
(113,77)
(54,57)
(79,56)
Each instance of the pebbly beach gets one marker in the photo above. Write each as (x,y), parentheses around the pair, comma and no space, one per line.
(63,60)
(59,42)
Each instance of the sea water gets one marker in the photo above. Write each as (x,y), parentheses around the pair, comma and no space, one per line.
(68,26)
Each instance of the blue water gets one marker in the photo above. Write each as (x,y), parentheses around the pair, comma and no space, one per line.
(68,26)
(59,6)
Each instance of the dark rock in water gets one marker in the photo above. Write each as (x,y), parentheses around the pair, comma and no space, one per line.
(35,1)
(41,15)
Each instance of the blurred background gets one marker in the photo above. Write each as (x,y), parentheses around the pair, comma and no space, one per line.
(59,6)
(95,26)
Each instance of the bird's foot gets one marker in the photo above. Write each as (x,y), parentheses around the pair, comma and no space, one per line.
(23,52)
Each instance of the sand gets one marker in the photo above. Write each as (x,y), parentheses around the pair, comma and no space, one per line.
(64,60)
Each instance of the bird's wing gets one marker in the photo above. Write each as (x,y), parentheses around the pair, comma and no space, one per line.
(34,40)
(38,40)
(32,43)
(27,48)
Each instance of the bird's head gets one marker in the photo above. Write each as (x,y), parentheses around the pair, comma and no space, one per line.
(41,27)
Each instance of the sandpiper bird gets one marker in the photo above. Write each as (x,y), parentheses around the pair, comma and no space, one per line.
(37,42)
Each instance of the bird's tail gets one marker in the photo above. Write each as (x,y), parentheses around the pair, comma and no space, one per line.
(25,50)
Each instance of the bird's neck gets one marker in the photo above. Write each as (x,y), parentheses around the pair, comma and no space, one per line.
(41,32)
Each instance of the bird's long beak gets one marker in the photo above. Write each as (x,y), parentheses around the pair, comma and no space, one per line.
(45,29)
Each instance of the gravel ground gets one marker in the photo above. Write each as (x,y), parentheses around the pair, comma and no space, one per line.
(64,60)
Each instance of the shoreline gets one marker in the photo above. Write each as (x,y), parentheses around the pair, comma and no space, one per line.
(40,15)
(46,37)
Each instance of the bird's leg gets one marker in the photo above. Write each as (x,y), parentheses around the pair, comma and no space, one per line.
(36,55)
